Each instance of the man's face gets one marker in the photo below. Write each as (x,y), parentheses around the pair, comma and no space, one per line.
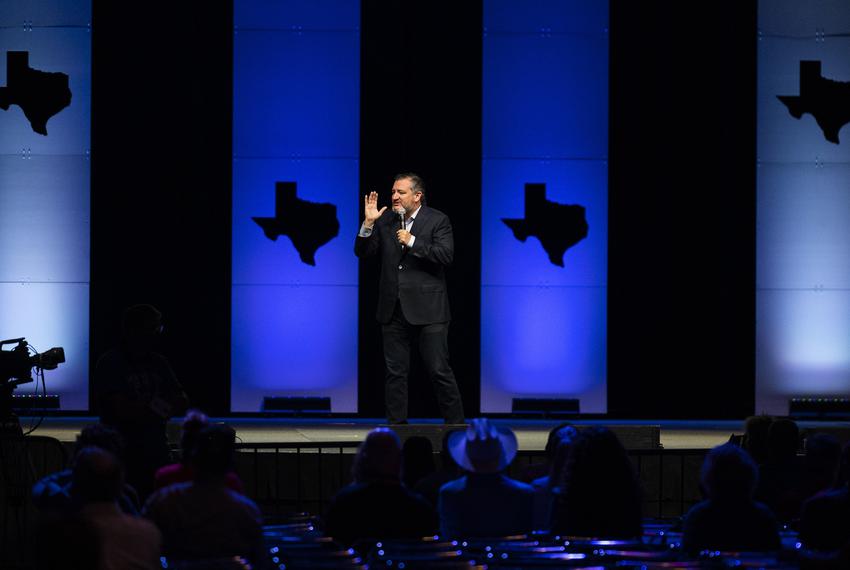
(404,196)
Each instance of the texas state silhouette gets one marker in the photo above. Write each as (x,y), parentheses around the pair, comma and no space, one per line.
(828,101)
(557,226)
(309,225)
(40,94)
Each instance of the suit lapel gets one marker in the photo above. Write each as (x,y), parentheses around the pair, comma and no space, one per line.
(420,221)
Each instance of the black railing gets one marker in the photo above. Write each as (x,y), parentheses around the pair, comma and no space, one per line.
(285,478)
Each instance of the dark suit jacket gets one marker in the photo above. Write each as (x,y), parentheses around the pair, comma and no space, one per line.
(416,276)
(485,504)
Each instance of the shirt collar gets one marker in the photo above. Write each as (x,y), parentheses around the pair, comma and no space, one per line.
(414,214)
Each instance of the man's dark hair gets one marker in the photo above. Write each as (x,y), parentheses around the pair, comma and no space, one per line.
(416,183)
(729,474)
(755,437)
(97,477)
(599,493)
(102,436)
(212,454)
(378,458)
(783,439)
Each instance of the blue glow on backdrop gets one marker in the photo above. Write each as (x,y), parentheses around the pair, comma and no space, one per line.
(803,274)
(296,108)
(44,193)
(545,120)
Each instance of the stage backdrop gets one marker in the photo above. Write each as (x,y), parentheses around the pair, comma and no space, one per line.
(803,274)
(296,70)
(45,114)
(544,202)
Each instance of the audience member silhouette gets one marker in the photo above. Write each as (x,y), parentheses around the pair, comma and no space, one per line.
(545,487)
(194,422)
(136,392)
(204,519)
(535,471)
(485,502)
(781,481)
(823,457)
(429,486)
(417,460)
(376,505)
(126,541)
(54,493)
(755,437)
(556,454)
(825,519)
(729,519)
(598,493)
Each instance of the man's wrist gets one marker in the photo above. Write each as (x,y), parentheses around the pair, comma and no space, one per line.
(365,231)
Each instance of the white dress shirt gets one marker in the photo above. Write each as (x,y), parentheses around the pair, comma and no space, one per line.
(408,223)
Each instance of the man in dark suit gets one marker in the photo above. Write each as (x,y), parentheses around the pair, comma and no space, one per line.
(412,298)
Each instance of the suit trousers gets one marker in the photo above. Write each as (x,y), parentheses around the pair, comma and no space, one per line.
(398,336)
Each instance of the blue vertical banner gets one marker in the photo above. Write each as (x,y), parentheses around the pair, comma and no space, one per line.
(45,119)
(296,94)
(545,202)
(803,273)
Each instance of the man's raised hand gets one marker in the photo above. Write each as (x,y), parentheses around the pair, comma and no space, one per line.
(371,209)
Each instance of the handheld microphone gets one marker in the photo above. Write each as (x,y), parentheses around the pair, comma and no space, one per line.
(400,213)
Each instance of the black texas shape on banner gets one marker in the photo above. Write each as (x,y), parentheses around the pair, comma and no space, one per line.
(557,226)
(40,94)
(828,101)
(309,225)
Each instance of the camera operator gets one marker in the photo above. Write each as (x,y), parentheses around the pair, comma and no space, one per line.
(136,392)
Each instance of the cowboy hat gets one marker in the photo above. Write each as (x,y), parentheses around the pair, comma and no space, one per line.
(483,447)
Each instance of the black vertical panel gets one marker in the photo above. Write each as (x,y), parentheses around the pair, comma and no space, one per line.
(421,112)
(682,209)
(161,175)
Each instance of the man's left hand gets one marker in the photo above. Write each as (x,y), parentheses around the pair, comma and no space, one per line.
(403,236)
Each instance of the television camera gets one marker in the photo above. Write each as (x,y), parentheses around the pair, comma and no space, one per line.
(16,364)
(16,367)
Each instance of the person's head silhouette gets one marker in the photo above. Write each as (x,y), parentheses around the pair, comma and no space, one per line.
(141,327)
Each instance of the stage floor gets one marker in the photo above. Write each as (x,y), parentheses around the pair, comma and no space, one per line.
(531,434)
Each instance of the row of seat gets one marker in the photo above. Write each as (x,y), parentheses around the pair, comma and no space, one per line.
(299,545)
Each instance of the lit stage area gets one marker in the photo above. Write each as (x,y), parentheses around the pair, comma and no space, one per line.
(531,434)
